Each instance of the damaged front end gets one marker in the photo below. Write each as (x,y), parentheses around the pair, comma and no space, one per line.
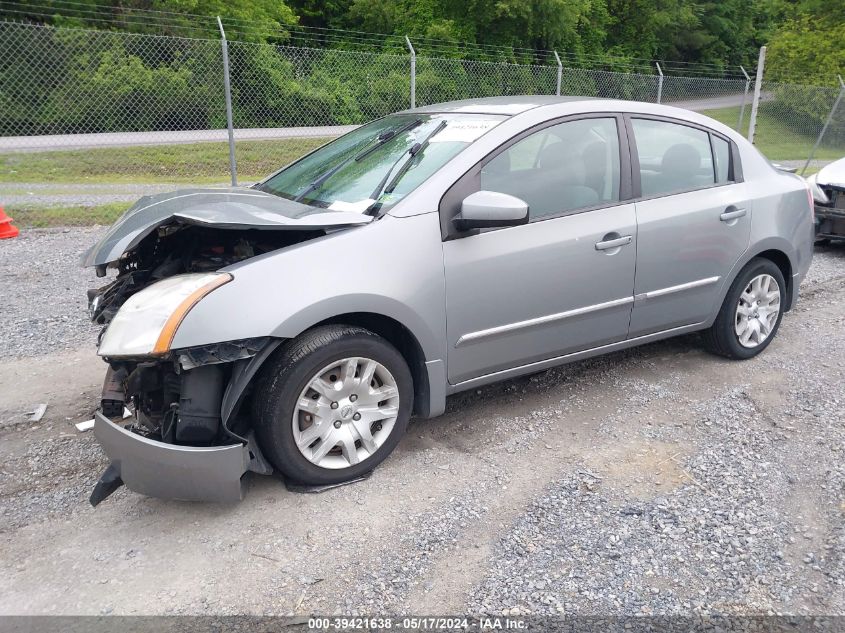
(828,189)
(830,213)
(187,438)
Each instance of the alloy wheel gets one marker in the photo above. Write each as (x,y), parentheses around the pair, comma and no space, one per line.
(757,311)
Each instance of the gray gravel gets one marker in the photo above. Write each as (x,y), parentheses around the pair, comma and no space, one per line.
(828,264)
(756,522)
(656,480)
(718,539)
(42,291)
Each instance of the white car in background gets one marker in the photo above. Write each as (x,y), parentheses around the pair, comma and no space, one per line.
(828,187)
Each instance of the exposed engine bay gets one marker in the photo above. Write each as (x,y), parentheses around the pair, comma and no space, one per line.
(830,214)
(178,248)
(828,189)
(179,400)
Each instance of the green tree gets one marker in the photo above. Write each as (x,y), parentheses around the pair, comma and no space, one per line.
(808,46)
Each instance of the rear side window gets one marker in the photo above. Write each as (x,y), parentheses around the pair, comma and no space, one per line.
(561,168)
(722,157)
(672,157)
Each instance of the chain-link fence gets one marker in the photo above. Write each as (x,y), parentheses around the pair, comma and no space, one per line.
(790,115)
(90,120)
(66,82)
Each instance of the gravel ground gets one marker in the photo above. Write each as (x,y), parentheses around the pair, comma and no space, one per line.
(42,291)
(657,480)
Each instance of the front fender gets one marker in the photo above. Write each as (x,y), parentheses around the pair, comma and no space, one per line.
(392,267)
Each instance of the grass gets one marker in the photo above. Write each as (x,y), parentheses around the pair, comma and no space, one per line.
(776,140)
(40,217)
(196,163)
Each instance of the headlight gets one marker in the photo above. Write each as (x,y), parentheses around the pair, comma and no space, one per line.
(147,321)
(818,193)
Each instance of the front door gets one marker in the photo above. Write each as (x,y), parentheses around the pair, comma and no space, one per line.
(560,284)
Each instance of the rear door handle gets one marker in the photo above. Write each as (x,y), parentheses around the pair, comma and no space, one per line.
(731,213)
(615,243)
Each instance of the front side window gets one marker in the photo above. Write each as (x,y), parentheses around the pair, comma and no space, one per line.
(672,157)
(560,168)
(376,165)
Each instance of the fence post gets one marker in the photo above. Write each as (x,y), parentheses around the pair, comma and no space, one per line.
(659,83)
(413,72)
(228,90)
(826,124)
(744,99)
(559,72)
(755,102)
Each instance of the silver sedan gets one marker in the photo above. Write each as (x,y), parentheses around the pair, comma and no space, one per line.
(296,326)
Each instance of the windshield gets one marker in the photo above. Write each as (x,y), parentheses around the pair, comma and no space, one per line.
(376,165)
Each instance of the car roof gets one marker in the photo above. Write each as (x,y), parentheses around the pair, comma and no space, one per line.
(507,106)
(513,106)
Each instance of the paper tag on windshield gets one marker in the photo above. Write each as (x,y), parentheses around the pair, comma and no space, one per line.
(355,207)
(464,131)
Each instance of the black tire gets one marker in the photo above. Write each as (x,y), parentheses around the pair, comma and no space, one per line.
(289,371)
(721,338)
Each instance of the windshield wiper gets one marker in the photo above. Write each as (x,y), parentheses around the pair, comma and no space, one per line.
(381,139)
(383,186)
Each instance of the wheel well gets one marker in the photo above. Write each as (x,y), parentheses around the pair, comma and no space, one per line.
(401,338)
(781,260)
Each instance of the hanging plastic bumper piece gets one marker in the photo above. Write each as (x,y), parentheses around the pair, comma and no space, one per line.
(168,471)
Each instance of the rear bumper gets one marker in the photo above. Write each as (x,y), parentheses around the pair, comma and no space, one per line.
(168,471)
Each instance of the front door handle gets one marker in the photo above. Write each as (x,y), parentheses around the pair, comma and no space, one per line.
(731,213)
(614,243)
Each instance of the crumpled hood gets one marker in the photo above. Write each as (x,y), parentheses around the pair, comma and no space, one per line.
(229,208)
(833,174)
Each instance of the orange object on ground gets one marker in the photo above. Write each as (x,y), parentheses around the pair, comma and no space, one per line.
(7,229)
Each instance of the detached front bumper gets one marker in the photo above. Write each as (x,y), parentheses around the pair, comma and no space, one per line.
(169,471)
(830,221)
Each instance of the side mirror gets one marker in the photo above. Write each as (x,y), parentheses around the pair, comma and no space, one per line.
(490,209)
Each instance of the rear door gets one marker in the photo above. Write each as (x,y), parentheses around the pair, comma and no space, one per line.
(693,219)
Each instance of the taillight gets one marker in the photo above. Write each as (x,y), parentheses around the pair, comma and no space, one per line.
(810,200)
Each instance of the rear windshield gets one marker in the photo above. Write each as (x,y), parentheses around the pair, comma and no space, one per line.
(376,165)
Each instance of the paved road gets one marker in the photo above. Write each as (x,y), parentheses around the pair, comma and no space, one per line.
(134,139)
(714,103)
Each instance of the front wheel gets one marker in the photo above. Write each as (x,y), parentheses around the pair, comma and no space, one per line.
(332,404)
(751,313)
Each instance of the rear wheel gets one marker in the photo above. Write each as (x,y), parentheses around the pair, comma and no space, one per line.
(751,313)
(332,404)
